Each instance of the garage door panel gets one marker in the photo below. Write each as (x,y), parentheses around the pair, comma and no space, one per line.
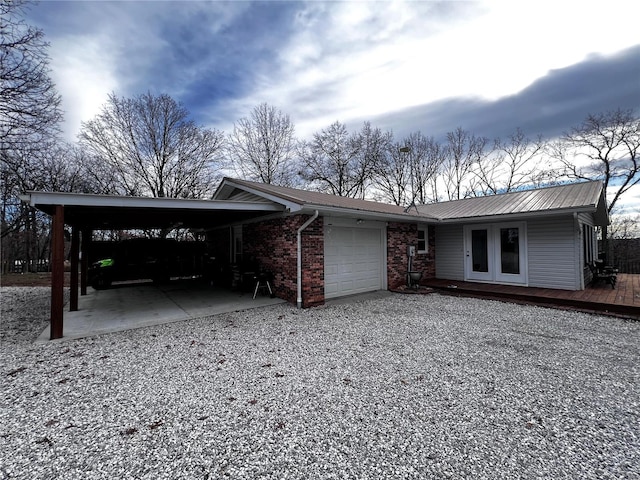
(346,251)
(330,270)
(363,267)
(353,260)
(330,289)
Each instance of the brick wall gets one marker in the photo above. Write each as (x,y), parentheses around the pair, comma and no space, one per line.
(399,236)
(273,244)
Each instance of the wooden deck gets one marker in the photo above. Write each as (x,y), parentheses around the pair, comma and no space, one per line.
(623,301)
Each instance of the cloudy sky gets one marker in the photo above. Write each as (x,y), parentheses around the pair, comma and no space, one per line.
(487,66)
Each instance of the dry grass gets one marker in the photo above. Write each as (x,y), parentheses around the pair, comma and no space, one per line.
(29,279)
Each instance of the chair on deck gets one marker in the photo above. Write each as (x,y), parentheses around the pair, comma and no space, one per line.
(599,273)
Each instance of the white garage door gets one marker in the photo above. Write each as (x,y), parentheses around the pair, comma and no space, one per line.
(353,260)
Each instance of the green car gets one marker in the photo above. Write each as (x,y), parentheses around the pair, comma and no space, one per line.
(147,259)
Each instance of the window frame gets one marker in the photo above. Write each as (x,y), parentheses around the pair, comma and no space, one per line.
(236,245)
(425,229)
(589,243)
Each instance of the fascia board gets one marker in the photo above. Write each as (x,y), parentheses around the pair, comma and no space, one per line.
(92,200)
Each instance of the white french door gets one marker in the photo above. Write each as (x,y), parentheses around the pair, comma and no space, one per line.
(496,252)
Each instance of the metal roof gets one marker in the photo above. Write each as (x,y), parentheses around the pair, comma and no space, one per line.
(575,197)
(241,200)
(296,199)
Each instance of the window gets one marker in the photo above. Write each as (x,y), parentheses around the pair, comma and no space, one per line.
(510,250)
(236,244)
(423,240)
(589,243)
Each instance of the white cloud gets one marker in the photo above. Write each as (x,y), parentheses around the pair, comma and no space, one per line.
(83,70)
(629,202)
(360,59)
(343,61)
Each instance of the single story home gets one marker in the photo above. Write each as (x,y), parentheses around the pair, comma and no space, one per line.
(335,246)
(320,246)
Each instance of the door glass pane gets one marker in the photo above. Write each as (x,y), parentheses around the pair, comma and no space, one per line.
(480,259)
(510,250)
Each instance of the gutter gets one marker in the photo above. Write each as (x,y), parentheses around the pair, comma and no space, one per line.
(299,272)
(371,214)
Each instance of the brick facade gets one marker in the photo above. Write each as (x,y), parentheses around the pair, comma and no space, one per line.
(399,236)
(273,244)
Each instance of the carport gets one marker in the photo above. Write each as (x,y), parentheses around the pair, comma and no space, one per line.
(85,213)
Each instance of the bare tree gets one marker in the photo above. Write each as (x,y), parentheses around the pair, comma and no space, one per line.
(373,148)
(29,122)
(624,233)
(262,147)
(463,151)
(150,148)
(407,174)
(610,143)
(625,226)
(604,147)
(425,156)
(334,161)
(513,164)
(51,167)
(392,175)
(29,104)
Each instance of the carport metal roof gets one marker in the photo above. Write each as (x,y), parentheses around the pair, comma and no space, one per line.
(104,212)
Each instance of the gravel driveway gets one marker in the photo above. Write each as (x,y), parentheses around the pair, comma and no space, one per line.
(407,386)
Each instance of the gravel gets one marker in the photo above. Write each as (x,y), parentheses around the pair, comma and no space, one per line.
(407,386)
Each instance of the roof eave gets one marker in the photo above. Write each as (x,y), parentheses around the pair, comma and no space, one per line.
(522,215)
(228,182)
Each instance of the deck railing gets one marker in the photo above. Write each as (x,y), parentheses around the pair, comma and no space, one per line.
(627,267)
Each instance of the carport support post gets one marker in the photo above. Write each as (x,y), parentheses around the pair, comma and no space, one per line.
(57,272)
(75,248)
(84,263)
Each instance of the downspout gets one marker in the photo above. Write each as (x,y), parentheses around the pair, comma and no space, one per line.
(299,272)
(579,250)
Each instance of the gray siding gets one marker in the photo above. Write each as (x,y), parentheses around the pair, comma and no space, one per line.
(552,251)
(586,218)
(242,196)
(450,252)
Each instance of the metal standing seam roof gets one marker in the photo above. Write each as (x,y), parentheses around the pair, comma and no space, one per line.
(311,199)
(583,196)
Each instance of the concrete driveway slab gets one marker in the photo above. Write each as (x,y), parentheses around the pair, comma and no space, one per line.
(129,306)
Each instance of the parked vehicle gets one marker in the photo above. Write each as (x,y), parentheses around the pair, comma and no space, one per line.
(143,258)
